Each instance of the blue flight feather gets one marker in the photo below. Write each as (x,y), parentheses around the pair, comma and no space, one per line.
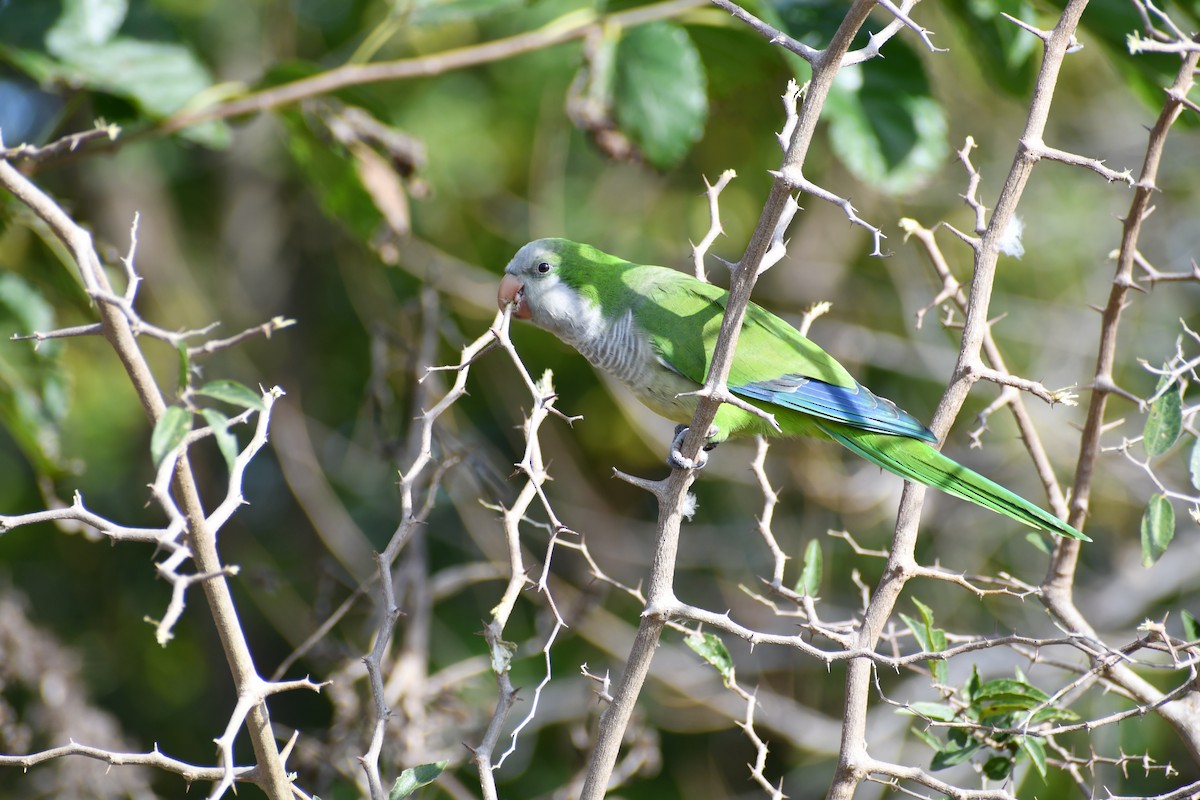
(853,405)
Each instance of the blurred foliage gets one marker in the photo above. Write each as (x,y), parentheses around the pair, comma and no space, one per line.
(338,211)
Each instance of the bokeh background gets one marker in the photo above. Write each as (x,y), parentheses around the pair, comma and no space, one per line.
(272,214)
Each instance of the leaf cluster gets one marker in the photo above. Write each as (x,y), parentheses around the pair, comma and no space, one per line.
(982,717)
(995,721)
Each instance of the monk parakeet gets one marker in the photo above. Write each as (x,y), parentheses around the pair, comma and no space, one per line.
(654,329)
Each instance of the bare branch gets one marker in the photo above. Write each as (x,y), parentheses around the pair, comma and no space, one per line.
(854,763)
(770,500)
(971,196)
(901,15)
(93,329)
(876,41)
(67,144)
(154,758)
(773,35)
(713,192)
(1138,44)
(1042,150)
(795,179)
(265,330)
(201,540)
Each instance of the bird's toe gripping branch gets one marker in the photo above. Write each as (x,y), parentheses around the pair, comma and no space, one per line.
(676,458)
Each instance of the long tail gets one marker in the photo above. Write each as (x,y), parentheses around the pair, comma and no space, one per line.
(916,461)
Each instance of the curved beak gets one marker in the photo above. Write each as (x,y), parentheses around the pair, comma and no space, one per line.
(512,292)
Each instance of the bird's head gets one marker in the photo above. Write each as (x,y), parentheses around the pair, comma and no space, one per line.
(534,285)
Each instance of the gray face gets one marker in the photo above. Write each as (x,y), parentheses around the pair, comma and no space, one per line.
(532,284)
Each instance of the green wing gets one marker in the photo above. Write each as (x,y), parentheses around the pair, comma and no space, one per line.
(774,363)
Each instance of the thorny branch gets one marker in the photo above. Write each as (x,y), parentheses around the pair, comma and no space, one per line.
(855,764)
(181,500)
(952,290)
(868,641)
(414,511)
(713,192)
(1059,582)
(671,493)
(533,466)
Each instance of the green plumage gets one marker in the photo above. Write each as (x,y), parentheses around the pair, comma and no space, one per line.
(655,329)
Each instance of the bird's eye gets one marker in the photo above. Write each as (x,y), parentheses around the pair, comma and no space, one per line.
(543,268)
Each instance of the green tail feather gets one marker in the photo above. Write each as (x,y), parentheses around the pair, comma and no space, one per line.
(917,461)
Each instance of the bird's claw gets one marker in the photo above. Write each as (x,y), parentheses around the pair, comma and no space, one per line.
(677,460)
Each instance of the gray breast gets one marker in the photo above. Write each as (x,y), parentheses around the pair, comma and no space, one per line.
(619,350)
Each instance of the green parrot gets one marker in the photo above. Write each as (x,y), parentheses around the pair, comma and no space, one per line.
(654,329)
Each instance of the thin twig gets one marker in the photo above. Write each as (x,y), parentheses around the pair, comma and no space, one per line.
(713,192)
(660,595)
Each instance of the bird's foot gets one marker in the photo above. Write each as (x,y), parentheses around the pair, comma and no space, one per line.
(676,459)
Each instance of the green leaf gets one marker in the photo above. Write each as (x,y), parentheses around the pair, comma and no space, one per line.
(34,396)
(1004,704)
(233,393)
(85,23)
(939,667)
(160,78)
(1164,423)
(1005,695)
(809,582)
(184,364)
(169,432)
(998,767)
(1051,714)
(935,711)
(25,310)
(1158,529)
(884,123)
(1191,627)
(286,71)
(1039,541)
(226,441)
(659,92)
(1194,464)
(918,631)
(710,647)
(414,778)
(1003,686)
(972,686)
(32,407)
(926,613)
(1037,752)
(954,753)
(927,737)
(931,639)
(959,736)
